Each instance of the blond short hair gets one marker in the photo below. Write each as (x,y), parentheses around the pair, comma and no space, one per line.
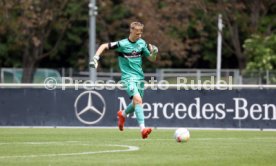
(136,24)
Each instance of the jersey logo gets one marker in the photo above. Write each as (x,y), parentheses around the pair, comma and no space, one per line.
(133,54)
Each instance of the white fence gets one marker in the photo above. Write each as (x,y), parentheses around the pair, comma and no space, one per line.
(14,75)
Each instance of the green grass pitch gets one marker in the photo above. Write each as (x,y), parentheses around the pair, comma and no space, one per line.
(92,146)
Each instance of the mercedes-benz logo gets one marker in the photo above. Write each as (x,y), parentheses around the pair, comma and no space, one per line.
(90,107)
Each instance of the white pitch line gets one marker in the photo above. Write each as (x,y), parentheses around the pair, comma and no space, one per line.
(205,139)
(129,149)
(47,143)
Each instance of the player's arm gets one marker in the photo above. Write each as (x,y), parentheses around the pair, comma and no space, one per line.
(101,50)
(94,62)
(153,53)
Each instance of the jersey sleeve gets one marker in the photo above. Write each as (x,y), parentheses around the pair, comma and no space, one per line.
(117,46)
(113,45)
(145,50)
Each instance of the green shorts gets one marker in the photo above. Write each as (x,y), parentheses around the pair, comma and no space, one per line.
(134,87)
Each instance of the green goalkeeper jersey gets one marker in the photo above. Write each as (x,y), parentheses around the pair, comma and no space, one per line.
(130,58)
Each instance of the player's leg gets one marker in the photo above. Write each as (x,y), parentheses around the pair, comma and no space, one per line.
(139,112)
(122,114)
(136,91)
(129,109)
(132,89)
(137,100)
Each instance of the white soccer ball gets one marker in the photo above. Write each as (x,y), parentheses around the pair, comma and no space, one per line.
(182,135)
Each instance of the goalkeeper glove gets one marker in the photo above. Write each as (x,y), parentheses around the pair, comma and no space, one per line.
(94,62)
(154,51)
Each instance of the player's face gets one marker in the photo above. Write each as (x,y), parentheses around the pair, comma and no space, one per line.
(136,32)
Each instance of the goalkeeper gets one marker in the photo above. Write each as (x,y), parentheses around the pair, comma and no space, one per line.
(130,52)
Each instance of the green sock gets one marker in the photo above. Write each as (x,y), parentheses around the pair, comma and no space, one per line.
(139,114)
(129,109)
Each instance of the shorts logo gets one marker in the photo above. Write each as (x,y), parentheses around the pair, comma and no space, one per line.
(90,107)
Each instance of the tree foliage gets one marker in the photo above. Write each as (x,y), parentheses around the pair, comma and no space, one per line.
(241,19)
(55,33)
(186,31)
(261,52)
(35,29)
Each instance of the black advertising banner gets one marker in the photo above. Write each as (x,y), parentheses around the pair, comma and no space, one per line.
(236,108)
